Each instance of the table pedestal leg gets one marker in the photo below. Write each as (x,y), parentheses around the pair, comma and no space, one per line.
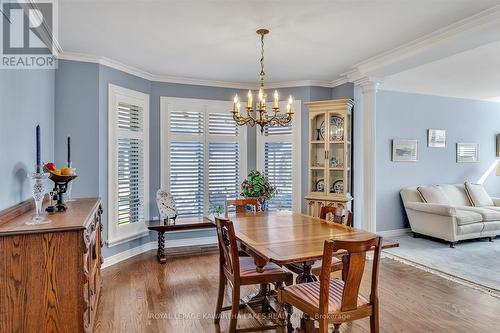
(306,275)
(161,247)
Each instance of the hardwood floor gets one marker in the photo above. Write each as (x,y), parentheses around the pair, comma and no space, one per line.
(140,295)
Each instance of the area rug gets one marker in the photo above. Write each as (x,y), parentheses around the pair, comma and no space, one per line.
(475,263)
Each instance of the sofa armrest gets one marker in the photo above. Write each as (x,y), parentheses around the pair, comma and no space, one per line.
(496,201)
(438,209)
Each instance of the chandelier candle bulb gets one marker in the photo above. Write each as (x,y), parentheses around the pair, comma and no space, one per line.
(250,98)
(276,99)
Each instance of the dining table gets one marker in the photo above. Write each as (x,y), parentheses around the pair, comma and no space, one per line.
(290,238)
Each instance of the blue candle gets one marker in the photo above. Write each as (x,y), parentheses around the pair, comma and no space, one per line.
(38,163)
(69,152)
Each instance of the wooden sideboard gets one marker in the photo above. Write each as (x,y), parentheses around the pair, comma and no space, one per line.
(50,274)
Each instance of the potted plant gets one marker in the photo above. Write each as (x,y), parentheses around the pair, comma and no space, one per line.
(258,186)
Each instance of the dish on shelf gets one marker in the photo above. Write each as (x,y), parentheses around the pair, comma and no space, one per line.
(320,185)
(336,128)
(337,187)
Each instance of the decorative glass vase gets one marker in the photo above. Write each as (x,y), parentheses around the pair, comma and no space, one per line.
(264,205)
(69,188)
(38,191)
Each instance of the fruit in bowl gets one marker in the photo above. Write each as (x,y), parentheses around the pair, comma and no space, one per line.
(66,171)
(50,167)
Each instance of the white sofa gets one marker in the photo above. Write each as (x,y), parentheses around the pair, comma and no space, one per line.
(452,212)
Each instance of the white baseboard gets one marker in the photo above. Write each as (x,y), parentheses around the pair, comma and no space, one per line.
(174,243)
(394,232)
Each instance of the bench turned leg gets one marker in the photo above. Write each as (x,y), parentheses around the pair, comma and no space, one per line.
(161,247)
(452,244)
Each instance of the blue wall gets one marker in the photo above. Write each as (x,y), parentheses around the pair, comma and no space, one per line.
(26,99)
(408,116)
(77,115)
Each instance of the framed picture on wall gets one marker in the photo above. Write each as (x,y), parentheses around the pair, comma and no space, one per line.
(467,152)
(498,145)
(404,150)
(436,138)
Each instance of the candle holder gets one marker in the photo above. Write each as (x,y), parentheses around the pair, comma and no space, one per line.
(37,180)
(60,187)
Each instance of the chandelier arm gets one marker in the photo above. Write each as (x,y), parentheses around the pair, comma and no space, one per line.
(262,73)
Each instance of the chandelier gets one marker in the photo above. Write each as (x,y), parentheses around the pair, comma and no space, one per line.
(263,118)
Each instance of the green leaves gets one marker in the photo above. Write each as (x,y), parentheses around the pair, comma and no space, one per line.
(257,186)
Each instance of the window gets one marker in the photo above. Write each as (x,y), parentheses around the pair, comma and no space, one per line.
(203,154)
(128,149)
(278,155)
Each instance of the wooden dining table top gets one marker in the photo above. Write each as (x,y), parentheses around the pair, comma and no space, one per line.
(285,237)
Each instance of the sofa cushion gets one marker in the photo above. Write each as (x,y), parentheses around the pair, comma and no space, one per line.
(486,213)
(433,194)
(455,194)
(467,217)
(478,195)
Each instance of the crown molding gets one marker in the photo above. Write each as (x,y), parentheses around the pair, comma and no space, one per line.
(471,32)
(72,56)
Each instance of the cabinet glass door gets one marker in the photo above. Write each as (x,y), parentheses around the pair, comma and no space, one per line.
(318,132)
(336,153)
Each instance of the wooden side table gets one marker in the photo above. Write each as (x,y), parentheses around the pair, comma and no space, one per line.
(164,226)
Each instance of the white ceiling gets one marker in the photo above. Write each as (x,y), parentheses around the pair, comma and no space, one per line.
(473,74)
(216,40)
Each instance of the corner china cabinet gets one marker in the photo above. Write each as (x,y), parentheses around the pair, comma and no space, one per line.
(330,157)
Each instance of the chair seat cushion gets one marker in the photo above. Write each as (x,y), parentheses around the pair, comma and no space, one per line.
(467,217)
(272,272)
(309,293)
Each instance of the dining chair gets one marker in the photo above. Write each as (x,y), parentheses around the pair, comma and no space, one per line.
(241,205)
(337,215)
(331,214)
(241,272)
(337,301)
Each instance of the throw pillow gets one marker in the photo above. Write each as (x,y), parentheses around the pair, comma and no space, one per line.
(433,194)
(478,195)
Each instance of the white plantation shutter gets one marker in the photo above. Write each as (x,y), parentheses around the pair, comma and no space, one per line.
(224,177)
(222,124)
(278,169)
(187,177)
(130,167)
(128,163)
(278,156)
(204,158)
(130,180)
(182,122)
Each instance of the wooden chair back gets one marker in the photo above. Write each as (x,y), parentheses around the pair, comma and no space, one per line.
(337,215)
(228,248)
(354,264)
(241,205)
